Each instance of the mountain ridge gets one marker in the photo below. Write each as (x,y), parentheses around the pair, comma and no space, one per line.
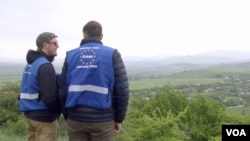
(202,59)
(157,66)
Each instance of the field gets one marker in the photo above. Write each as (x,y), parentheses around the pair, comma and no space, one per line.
(149,83)
(227,78)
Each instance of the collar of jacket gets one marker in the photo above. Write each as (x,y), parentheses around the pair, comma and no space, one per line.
(84,41)
(32,55)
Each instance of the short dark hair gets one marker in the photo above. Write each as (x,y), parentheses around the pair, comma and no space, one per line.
(44,37)
(93,29)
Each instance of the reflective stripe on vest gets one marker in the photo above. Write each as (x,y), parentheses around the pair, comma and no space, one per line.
(29,96)
(81,88)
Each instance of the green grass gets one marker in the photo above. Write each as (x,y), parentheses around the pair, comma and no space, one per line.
(6,135)
(148,83)
(202,76)
(229,70)
(239,110)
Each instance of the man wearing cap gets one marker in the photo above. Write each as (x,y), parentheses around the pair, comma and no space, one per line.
(38,93)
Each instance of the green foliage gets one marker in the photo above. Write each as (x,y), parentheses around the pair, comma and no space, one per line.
(9,103)
(18,127)
(237,116)
(204,118)
(170,115)
(10,117)
(7,135)
(157,119)
(8,87)
(62,126)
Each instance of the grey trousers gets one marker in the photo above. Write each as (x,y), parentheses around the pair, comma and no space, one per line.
(90,131)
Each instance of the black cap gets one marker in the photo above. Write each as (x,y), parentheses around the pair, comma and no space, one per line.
(44,37)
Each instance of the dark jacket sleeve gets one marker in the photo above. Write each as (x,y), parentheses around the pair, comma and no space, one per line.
(63,89)
(121,89)
(48,87)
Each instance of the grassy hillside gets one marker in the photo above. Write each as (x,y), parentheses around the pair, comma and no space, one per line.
(210,75)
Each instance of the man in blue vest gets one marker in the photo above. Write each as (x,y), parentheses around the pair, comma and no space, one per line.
(95,88)
(39,91)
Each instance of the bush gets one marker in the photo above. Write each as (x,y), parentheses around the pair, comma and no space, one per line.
(10,117)
(170,115)
(18,127)
(9,106)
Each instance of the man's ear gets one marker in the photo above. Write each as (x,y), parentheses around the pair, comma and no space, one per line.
(101,37)
(85,35)
(45,45)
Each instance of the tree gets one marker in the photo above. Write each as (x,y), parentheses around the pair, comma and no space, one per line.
(170,115)
(204,118)
(156,119)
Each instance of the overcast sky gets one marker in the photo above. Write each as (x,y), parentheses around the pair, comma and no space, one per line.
(134,27)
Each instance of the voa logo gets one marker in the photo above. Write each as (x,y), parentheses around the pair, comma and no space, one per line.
(236,132)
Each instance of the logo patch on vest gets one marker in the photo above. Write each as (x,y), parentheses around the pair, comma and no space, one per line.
(87,57)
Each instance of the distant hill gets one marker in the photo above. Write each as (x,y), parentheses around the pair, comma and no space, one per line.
(158,64)
(173,64)
(208,58)
(233,54)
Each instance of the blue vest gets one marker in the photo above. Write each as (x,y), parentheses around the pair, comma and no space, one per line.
(29,96)
(90,76)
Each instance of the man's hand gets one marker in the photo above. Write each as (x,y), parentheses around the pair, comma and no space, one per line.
(118,127)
